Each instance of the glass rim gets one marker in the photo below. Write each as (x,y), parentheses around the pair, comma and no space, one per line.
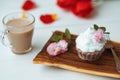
(19,13)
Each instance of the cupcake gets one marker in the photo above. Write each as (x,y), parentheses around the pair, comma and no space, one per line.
(91,43)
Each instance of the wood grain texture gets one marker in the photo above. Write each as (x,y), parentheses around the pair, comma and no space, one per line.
(105,66)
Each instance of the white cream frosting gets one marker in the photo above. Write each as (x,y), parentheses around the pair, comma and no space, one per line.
(86,41)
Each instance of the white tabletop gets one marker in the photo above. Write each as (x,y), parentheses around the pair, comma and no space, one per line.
(21,67)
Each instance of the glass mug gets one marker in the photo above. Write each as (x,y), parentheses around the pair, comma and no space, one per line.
(18,32)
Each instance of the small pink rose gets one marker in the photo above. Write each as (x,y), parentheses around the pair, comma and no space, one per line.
(99,35)
(63,44)
(56,48)
(51,49)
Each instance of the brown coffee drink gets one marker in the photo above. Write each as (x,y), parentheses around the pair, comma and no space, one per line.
(20,32)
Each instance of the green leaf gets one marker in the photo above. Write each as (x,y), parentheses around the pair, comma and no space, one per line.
(96,27)
(107,32)
(103,28)
(56,37)
(67,33)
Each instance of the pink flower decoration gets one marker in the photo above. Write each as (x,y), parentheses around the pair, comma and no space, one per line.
(63,45)
(51,49)
(56,48)
(99,35)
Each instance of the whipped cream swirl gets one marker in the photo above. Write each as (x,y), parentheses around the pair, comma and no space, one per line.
(86,41)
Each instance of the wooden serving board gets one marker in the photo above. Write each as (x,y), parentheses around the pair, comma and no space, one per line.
(105,66)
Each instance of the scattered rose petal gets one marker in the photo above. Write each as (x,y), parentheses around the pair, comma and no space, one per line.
(56,48)
(66,4)
(28,5)
(48,18)
(54,16)
(83,8)
(24,15)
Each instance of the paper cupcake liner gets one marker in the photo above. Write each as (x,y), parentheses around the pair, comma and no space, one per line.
(90,56)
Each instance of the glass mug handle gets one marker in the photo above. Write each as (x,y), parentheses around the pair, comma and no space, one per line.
(3,38)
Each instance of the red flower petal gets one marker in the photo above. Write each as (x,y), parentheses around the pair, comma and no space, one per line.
(83,8)
(28,5)
(66,4)
(48,18)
